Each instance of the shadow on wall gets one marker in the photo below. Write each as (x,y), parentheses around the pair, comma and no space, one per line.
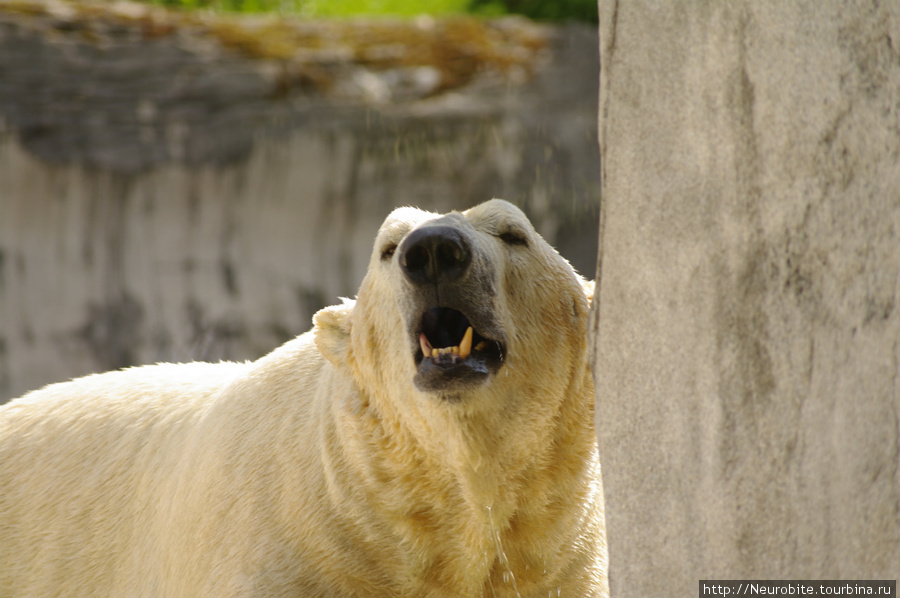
(164,197)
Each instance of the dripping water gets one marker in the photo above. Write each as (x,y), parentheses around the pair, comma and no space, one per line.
(508,576)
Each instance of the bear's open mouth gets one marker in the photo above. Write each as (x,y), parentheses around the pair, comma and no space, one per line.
(451,351)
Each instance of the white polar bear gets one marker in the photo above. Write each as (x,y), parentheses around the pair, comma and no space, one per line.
(432,438)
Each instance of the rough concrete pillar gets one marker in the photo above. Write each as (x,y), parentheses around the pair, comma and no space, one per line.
(747,324)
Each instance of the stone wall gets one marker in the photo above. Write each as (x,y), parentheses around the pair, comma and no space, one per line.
(747,323)
(178,187)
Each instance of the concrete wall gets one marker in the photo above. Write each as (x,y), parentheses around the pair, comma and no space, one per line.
(748,316)
(176,189)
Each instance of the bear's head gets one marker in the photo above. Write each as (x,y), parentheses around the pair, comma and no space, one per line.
(462,308)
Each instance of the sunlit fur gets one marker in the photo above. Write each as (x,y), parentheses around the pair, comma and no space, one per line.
(319,470)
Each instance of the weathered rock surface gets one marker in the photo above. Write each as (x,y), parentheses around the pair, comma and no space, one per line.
(748,332)
(179,187)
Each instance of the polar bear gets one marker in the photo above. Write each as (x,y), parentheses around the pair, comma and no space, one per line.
(433,437)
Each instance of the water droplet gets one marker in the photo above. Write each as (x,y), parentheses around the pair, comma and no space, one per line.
(508,575)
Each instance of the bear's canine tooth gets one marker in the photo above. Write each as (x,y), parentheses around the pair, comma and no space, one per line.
(426,346)
(465,345)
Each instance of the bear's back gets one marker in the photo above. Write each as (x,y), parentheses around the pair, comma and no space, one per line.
(104,436)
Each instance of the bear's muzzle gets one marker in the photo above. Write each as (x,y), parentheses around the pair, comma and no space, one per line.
(456,340)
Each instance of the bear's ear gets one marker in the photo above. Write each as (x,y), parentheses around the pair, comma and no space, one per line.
(588,286)
(332,331)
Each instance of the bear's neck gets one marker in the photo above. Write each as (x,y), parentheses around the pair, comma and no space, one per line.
(479,496)
(478,452)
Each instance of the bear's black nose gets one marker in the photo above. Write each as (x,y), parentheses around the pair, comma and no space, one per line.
(434,254)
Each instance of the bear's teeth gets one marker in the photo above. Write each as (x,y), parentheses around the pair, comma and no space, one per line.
(465,345)
(463,350)
(481,346)
(426,346)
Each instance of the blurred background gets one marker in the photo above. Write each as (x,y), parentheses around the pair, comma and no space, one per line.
(193,180)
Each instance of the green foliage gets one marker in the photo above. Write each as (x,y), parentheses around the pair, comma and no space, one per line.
(547,10)
(542,10)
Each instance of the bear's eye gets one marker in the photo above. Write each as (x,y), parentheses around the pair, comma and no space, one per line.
(514,237)
(387,252)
